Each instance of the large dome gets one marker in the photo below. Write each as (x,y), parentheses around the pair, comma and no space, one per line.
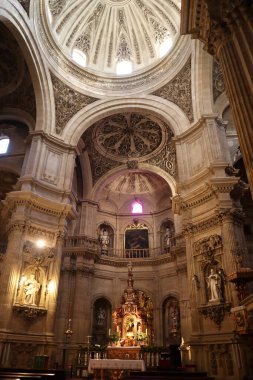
(106,36)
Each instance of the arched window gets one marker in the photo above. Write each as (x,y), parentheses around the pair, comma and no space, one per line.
(79,57)
(136,207)
(124,68)
(4,144)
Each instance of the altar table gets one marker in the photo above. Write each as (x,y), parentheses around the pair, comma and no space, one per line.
(114,364)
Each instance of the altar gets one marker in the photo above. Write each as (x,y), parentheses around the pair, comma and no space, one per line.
(132,353)
(117,366)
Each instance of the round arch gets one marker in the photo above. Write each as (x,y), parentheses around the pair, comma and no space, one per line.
(14,17)
(167,111)
(142,166)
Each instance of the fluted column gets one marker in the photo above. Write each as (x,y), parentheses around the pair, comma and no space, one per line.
(225,27)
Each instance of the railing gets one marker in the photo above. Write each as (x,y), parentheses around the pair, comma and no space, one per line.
(84,243)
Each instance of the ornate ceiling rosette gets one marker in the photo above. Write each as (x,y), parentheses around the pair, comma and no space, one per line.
(122,137)
(104,33)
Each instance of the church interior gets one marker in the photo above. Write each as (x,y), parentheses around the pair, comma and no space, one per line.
(126,182)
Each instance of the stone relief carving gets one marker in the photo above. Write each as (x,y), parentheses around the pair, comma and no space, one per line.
(166,159)
(67,102)
(33,283)
(129,139)
(218,80)
(207,245)
(56,6)
(128,135)
(178,90)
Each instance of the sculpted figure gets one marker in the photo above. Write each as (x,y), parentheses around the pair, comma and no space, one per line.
(31,288)
(104,240)
(167,236)
(214,286)
(101,316)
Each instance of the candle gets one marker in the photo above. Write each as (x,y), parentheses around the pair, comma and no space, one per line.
(146,331)
(117,328)
(109,331)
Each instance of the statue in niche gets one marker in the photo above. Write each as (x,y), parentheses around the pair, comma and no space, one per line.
(101,315)
(31,288)
(167,237)
(214,284)
(104,240)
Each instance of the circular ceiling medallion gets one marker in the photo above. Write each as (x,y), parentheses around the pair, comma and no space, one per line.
(128,136)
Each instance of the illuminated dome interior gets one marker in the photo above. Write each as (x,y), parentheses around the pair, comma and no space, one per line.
(116,37)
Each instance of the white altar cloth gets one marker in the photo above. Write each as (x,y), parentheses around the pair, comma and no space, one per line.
(138,365)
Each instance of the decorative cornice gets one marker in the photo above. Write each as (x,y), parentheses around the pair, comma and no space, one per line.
(178,90)
(37,203)
(221,216)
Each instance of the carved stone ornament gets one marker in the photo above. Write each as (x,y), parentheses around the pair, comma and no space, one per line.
(218,80)
(207,245)
(67,103)
(178,90)
(129,138)
(28,312)
(215,312)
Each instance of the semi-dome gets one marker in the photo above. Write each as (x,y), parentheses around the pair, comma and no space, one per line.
(115,37)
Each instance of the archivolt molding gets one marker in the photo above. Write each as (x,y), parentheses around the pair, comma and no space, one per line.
(18,24)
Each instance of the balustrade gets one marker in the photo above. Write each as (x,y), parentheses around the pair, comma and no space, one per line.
(84,243)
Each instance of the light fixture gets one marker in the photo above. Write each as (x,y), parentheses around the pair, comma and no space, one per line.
(137,207)
(4,143)
(50,286)
(40,243)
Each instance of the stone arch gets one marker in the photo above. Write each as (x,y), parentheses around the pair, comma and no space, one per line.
(18,24)
(165,110)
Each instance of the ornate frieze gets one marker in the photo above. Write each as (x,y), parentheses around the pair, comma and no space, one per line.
(178,90)
(67,103)
(218,80)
